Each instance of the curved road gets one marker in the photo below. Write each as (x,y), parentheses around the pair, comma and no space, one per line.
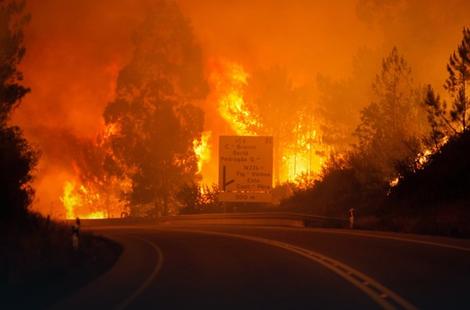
(233,267)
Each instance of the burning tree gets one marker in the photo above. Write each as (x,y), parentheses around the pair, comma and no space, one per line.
(154,114)
(92,191)
(17,158)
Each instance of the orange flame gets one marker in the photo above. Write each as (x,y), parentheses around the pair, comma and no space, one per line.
(230,86)
(202,150)
(78,199)
(92,197)
(303,155)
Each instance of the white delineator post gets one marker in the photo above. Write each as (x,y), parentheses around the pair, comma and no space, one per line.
(352,214)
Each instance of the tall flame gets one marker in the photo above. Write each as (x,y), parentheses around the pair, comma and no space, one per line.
(69,199)
(301,156)
(202,150)
(78,199)
(230,85)
(96,195)
(304,156)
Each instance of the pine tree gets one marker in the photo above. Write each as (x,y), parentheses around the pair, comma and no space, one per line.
(456,84)
(451,121)
(441,126)
(392,124)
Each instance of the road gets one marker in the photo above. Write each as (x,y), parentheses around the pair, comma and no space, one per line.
(256,267)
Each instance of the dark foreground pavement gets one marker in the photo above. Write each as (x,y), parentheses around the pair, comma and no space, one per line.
(242,267)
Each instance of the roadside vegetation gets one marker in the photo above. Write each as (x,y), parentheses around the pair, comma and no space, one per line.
(39,265)
(409,168)
(37,262)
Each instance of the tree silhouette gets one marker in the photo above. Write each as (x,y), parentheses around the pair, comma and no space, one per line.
(17,158)
(448,121)
(154,113)
(459,75)
(441,125)
(392,125)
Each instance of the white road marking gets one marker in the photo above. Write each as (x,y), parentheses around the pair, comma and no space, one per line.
(390,237)
(383,296)
(147,281)
(378,235)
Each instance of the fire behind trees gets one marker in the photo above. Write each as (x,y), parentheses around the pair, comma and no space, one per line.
(36,256)
(408,174)
(154,122)
(155,112)
(388,133)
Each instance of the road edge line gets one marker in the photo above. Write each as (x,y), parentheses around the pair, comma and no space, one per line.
(372,234)
(124,304)
(396,238)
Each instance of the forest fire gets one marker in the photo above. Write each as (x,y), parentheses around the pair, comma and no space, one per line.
(303,158)
(78,201)
(92,191)
(300,152)
(94,201)
(202,150)
(224,139)
(241,82)
(230,86)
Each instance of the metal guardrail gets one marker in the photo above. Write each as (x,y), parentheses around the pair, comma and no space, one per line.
(248,218)
(305,220)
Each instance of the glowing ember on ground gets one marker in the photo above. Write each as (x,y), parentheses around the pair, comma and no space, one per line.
(394,182)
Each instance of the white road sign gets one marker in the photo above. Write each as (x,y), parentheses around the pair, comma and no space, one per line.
(245,166)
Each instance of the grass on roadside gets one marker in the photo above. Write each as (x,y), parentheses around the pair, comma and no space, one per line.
(39,266)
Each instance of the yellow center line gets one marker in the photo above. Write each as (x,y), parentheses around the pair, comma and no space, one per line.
(383,296)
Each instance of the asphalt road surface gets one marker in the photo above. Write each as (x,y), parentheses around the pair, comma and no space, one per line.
(246,267)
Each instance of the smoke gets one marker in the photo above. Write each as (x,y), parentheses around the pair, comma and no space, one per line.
(76,48)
